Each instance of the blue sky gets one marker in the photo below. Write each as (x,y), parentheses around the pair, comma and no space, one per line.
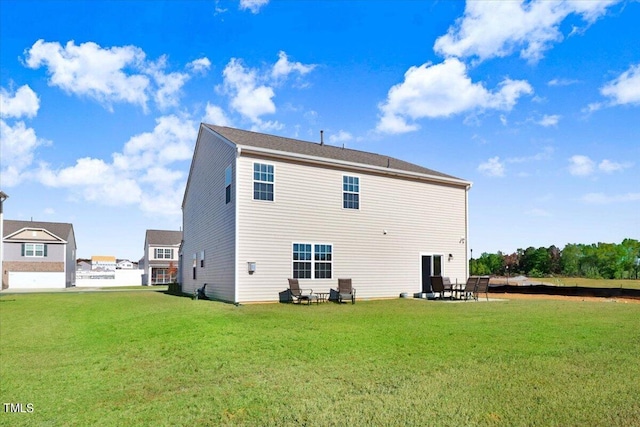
(536,102)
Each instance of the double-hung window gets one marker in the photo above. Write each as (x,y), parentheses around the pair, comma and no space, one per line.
(302,261)
(34,250)
(161,253)
(312,261)
(263,179)
(322,258)
(350,192)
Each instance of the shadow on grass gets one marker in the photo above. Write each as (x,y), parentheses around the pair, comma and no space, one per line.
(572,291)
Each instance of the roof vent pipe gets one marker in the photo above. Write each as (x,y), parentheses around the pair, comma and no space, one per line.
(321,137)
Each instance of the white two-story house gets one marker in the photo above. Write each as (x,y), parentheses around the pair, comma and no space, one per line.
(160,261)
(259,209)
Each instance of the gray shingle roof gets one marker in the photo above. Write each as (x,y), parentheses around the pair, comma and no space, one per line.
(163,237)
(61,229)
(288,145)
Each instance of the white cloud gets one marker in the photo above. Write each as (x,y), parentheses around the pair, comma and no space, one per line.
(251,91)
(549,120)
(545,154)
(492,167)
(282,68)
(111,75)
(581,165)
(17,141)
(24,102)
(89,70)
(214,115)
(140,175)
(341,136)
(17,147)
(562,82)
(608,166)
(248,97)
(625,89)
(169,85)
(200,65)
(443,90)
(253,6)
(498,28)
(604,199)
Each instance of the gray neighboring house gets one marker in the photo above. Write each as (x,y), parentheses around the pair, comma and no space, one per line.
(160,261)
(259,209)
(38,255)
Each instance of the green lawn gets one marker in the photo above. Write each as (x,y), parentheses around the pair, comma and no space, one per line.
(147,358)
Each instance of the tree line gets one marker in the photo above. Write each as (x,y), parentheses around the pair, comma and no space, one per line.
(595,261)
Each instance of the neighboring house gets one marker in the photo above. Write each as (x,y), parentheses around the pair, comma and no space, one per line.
(124,264)
(103,263)
(38,255)
(83,264)
(259,209)
(160,260)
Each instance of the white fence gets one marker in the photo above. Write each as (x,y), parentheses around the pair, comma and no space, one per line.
(93,279)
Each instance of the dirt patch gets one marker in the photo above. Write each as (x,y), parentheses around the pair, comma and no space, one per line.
(564,298)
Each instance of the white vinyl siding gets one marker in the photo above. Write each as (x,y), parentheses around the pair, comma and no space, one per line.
(380,246)
(208,220)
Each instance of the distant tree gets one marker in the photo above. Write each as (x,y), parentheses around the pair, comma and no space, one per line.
(535,259)
(555,256)
(570,260)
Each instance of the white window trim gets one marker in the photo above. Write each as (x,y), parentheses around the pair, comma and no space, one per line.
(313,255)
(164,253)
(359,193)
(34,246)
(254,181)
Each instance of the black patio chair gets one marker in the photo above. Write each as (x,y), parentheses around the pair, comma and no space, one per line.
(299,294)
(346,291)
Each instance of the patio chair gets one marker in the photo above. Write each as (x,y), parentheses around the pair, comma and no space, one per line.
(437,286)
(300,294)
(469,288)
(346,291)
(448,286)
(482,286)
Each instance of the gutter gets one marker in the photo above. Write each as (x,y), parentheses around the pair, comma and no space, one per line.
(352,165)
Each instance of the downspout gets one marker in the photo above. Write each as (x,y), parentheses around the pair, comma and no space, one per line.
(237,226)
(466,232)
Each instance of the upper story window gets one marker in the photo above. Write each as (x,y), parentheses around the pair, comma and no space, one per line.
(34,249)
(227,183)
(162,253)
(350,192)
(263,179)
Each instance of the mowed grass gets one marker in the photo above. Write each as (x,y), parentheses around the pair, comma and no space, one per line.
(147,358)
